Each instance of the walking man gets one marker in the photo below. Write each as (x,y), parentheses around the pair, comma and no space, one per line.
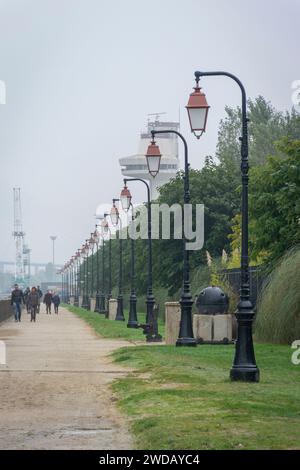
(40,294)
(33,302)
(26,294)
(48,301)
(56,302)
(17,298)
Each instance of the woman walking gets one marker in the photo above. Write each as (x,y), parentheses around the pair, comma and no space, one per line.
(48,301)
(56,302)
(33,301)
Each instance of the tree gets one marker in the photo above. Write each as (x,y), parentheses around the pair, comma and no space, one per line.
(275,202)
(266,126)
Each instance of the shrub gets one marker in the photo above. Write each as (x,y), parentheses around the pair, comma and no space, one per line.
(278,309)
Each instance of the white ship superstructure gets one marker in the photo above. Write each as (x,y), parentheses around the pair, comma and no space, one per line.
(135,166)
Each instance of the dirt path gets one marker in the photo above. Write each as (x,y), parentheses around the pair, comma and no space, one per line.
(54,388)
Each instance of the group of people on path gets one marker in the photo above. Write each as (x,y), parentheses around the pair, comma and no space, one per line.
(32,299)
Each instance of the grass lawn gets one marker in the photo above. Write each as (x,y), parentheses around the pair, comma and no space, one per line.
(182,398)
(113,329)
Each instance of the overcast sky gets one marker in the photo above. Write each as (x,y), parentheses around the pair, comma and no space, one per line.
(82,75)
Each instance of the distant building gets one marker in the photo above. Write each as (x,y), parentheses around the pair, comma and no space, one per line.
(135,166)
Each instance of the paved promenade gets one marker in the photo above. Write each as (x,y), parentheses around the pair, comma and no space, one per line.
(54,388)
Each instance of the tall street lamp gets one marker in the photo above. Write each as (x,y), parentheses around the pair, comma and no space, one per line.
(116,220)
(150,300)
(91,246)
(71,268)
(97,238)
(53,238)
(67,283)
(79,277)
(125,199)
(107,231)
(84,253)
(102,295)
(77,258)
(62,285)
(244,365)
(186,335)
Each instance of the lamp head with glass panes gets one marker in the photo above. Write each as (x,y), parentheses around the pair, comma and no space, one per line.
(197,109)
(153,157)
(125,198)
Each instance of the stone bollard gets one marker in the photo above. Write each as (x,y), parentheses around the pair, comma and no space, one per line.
(172,321)
(222,328)
(213,328)
(203,327)
(112,309)
(71,300)
(80,301)
(93,303)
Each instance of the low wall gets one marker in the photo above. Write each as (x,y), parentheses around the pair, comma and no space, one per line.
(6,310)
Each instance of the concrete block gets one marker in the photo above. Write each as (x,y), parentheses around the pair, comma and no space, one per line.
(222,327)
(172,321)
(112,309)
(203,327)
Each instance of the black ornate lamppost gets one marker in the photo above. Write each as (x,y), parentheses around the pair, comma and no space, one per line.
(150,300)
(68,283)
(102,295)
(125,199)
(116,220)
(84,254)
(76,263)
(244,365)
(186,335)
(89,260)
(61,272)
(65,282)
(91,247)
(80,277)
(107,231)
(97,238)
(71,276)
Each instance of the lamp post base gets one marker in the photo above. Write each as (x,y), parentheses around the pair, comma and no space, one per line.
(132,318)
(244,366)
(154,339)
(244,374)
(186,342)
(186,335)
(120,313)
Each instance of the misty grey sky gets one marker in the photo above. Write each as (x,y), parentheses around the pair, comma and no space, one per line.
(82,75)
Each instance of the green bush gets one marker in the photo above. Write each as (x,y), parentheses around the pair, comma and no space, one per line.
(278,309)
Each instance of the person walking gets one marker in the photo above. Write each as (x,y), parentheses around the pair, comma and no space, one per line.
(40,293)
(26,294)
(56,302)
(48,301)
(33,302)
(17,298)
